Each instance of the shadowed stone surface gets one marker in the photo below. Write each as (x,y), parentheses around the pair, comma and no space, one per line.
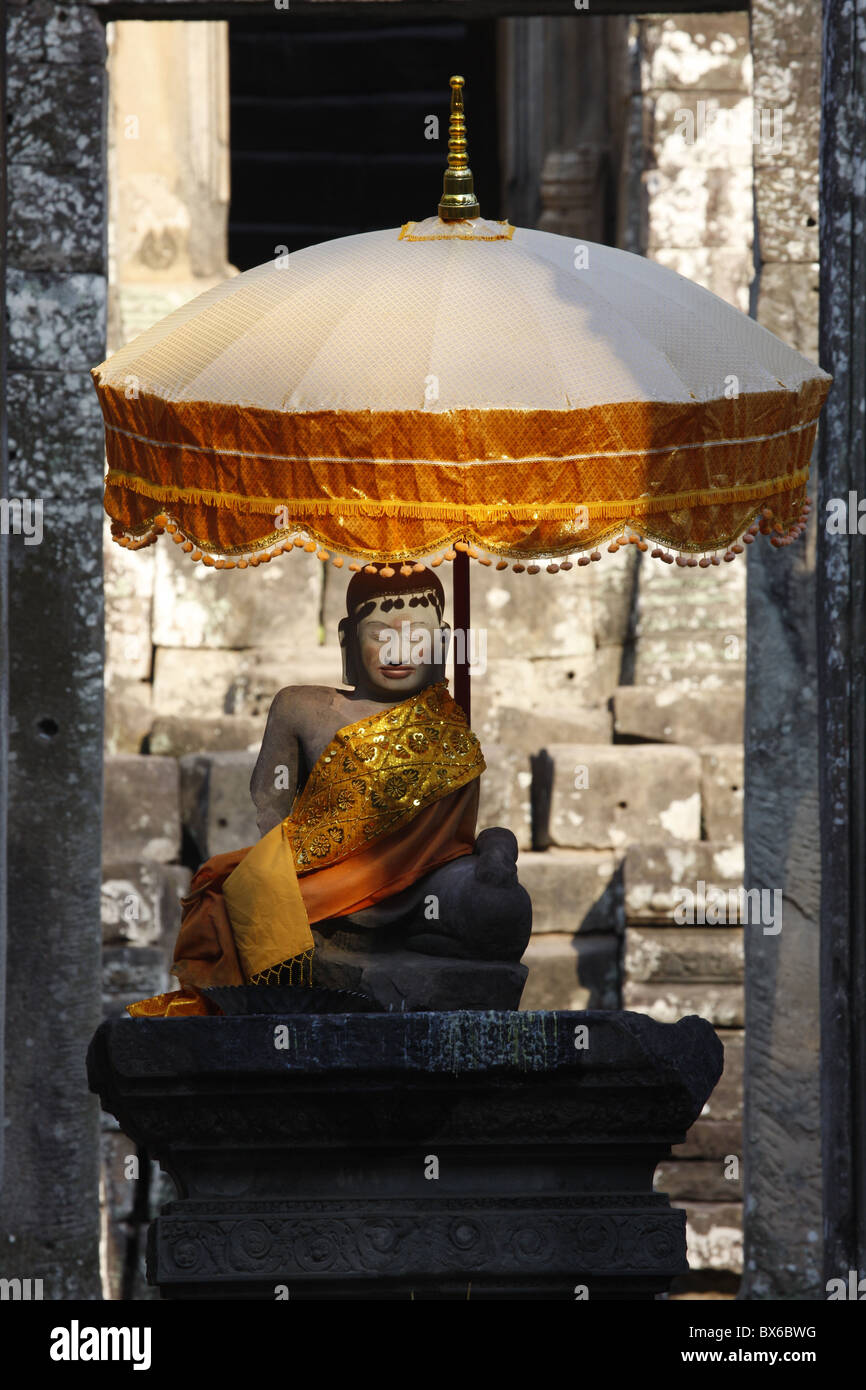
(142,808)
(606,797)
(303,1149)
(781,828)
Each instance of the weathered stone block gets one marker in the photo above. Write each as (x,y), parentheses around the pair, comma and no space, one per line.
(207,684)
(128,716)
(704,51)
(567,971)
(141,902)
(557,684)
(177,736)
(55,321)
(217,808)
(693,208)
(657,876)
(609,797)
(658,713)
(573,890)
(687,955)
(57,219)
(133,972)
(726,1102)
(711,1139)
(721,1005)
(261,672)
(508,728)
(716,135)
(505,613)
(504,794)
(193,683)
(699,662)
(142,808)
(37,138)
(54,417)
(722,775)
(198,607)
(787,305)
(714,1235)
(787,206)
(611,587)
(698,1180)
(41,31)
(128,606)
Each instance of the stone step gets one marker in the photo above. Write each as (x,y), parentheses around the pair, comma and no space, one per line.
(129,716)
(141,818)
(726,1100)
(206,608)
(505,726)
(572,972)
(573,890)
(656,876)
(711,1139)
(698,1180)
(720,1004)
(608,798)
(208,684)
(504,795)
(177,736)
(657,714)
(714,1235)
(218,811)
(722,776)
(141,902)
(688,956)
(130,973)
(699,661)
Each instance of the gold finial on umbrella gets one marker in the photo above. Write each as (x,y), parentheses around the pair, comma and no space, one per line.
(458,187)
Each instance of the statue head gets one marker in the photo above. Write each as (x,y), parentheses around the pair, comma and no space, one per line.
(393,639)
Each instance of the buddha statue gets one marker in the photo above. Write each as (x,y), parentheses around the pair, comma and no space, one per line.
(366,800)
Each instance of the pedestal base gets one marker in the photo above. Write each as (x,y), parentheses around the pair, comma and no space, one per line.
(442,1156)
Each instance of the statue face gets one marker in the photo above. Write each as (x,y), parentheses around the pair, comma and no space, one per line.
(401,645)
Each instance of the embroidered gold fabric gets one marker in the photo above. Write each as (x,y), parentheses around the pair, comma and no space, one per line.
(376,775)
(297,970)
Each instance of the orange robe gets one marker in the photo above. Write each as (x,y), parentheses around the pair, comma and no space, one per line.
(392,797)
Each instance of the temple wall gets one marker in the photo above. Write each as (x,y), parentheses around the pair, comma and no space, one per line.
(623,682)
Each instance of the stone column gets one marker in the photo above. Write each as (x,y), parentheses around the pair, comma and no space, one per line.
(4,627)
(782,1145)
(842,645)
(55,303)
(563,116)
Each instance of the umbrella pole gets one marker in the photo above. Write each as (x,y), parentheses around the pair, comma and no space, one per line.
(461,624)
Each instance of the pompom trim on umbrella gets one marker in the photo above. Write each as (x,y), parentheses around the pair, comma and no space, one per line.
(767,524)
(395,486)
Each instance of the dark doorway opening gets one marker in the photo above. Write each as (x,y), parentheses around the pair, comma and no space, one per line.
(311,99)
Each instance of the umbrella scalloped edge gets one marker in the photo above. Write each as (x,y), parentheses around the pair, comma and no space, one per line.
(764,520)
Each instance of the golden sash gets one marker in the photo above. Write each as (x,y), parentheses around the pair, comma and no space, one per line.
(374,777)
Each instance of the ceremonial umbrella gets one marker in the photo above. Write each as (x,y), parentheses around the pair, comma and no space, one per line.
(458,388)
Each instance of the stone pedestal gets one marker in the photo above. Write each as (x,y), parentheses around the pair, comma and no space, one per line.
(438,1155)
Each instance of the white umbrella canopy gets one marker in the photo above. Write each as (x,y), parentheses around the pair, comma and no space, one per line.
(523,395)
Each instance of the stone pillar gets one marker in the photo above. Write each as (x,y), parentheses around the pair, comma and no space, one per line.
(4,626)
(562,127)
(842,645)
(782,1145)
(55,303)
